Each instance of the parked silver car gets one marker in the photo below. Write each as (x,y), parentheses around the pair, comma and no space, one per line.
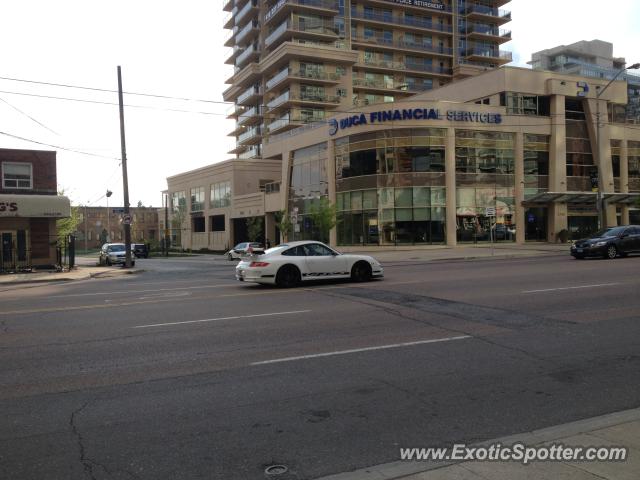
(114,254)
(242,249)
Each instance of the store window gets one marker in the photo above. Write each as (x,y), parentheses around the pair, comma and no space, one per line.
(220,195)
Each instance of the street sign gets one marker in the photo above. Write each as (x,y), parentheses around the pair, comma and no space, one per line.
(296,228)
(126,219)
(490,212)
(118,211)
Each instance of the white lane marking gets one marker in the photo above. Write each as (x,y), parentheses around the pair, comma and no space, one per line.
(164,295)
(357,350)
(570,288)
(222,318)
(146,291)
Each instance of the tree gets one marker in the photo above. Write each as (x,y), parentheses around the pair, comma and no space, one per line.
(68,226)
(254,228)
(140,204)
(284,223)
(323,218)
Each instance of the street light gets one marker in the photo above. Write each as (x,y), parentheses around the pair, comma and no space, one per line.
(599,199)
(109,239)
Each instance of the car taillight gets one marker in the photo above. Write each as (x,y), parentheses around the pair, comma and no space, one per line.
(259,264)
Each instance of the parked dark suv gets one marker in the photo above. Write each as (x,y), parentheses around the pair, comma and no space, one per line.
(140,250)
(609,243)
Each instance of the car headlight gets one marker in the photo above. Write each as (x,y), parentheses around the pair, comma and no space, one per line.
(601,244)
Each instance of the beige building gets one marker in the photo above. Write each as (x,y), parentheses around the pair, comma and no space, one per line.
(510,155)
(300,62)
(209,206)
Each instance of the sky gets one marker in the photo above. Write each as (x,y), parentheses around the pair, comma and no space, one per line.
(175,49)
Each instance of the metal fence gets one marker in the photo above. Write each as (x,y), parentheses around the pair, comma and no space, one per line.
(17,258)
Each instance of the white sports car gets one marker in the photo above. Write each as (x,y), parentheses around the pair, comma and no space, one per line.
(288,264)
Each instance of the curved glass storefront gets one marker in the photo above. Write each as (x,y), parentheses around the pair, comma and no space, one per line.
(390,187)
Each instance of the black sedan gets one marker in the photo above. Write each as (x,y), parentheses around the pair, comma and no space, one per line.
(609,243)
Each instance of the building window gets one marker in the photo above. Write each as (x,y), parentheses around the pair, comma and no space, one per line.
(17,175)
(220,195)
(217,223)
(198,225)
(197,199)
(178,202)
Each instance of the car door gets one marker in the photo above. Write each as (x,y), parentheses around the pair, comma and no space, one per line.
(323,262)
(627,240)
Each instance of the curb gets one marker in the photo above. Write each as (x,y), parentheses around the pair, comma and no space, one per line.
(84,276)
(469,258)
(399,469)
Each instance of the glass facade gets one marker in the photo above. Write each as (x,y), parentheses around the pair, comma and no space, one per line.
(197,199)
(220,195)
(536,180)
(308,181)
(390,187)
(485,181)
(633,155)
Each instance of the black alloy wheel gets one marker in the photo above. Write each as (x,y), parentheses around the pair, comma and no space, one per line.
(361,272)
(288,277)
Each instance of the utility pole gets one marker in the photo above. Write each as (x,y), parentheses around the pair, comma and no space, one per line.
(109,239)
(86,233)
(166,224)
(125,180)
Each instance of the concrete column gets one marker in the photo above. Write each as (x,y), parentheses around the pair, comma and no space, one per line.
(624,179)
(450,183)
(270,228)
(331,186)
(557,213)
(519,187)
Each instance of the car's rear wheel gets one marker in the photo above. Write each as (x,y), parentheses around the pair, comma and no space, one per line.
(288,276)
(611,252)
(361,272)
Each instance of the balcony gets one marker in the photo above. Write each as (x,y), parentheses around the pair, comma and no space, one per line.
(252,52)
(249,95)
(251,136)
(281,124)
(323,30)
(384,86)
(410,22)
(251,6)
(284,7)
(479,54)
(487,14)
(403,45)
(277,78)
(382,65)
(231,59)
(228,39)
(227,5)
(250,116)
(485,32)
(228,19)
(279,100)
(250,30)
(252,152)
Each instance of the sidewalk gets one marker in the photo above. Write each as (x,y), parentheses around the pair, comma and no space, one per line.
(460,252)
(620,429)
(80,272)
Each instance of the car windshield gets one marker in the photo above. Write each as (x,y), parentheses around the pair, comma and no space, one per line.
(240,245)
(116,248)
(610,232)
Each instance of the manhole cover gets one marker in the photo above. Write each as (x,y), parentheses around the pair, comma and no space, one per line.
(272,470)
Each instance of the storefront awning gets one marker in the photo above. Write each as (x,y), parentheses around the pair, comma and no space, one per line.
(47,206)
(581,198)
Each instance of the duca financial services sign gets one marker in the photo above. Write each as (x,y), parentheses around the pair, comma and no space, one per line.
(383,116)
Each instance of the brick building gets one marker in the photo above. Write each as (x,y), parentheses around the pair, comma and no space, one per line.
(96,227)
(29,207)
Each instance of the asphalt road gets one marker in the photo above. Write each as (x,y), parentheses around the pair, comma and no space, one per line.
(182,373)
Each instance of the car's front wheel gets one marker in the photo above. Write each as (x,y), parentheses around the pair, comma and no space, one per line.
(229,257)
(107,262)
(361,272)
(611,252)
(288,276)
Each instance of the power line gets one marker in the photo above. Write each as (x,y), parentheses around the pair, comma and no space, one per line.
(110,91)
(69,99)
(28,116)
(57,146)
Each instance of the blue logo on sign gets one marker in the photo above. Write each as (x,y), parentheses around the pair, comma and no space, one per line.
(333,126)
